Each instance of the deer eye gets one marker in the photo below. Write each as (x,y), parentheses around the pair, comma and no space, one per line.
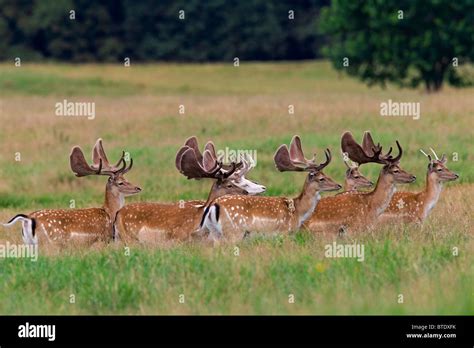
(439,169)
(322,179)
(396,171)
(356,177)
(120,184)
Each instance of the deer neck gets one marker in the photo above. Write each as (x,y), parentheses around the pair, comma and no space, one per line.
(432,191)
(380,197)
(211,196)
(114,201)
(306,202)
(348,186)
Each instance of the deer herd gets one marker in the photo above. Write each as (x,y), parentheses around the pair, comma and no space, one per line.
(234,209)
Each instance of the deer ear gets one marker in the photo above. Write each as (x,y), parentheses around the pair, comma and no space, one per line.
(443,159)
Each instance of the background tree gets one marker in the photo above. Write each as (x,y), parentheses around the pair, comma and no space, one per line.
(147,30)
(408,42)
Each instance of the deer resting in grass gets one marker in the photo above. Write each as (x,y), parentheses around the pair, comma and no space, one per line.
(359,210)
(231,218)
(167,222)
(354,179)
(416,206)
(60,226)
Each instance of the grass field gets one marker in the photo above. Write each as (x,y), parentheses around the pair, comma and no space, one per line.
(240,108)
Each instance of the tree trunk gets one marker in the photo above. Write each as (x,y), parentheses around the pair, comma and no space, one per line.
(436,77)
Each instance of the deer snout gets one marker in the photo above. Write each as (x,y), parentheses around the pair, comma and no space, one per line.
(413,178)
(258,189)
(138,189)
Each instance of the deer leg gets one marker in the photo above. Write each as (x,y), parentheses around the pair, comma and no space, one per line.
(211,223)
(342,231)
(28,232)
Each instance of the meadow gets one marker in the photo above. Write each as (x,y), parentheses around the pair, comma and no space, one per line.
(137,110)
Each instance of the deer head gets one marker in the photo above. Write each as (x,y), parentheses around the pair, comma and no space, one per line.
(371,153)
(101,166)
(437,168)
(354,179)
(293,159)
(228,178)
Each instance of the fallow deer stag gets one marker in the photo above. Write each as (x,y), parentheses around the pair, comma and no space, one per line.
(415,207)
(354,179)
(231,218)
(359,210)
(174,222)
(60,226)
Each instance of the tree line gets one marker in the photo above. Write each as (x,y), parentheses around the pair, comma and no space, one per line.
(146,30)
(406,42)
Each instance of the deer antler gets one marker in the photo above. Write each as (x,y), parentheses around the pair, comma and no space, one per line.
(225,173)
(100,166)
(368,152)
(399,156)
(296,152)
(194,165)
(370,148)
(247,165)
(283,162)
(320,167)
(427,155)
(191,167)
(434,153)
(442,159)
(79,165)
(98,153)
(179,154)
(210,161)
(193,144)
(125,170)
(294,159)
(206,161)
(211,148)
(349,164)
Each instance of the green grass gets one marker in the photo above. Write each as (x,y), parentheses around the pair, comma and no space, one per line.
(259,280)
(40,83)
(241,108)
(172,79)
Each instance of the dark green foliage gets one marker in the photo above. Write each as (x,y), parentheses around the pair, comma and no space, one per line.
(418,49)
(213,30)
